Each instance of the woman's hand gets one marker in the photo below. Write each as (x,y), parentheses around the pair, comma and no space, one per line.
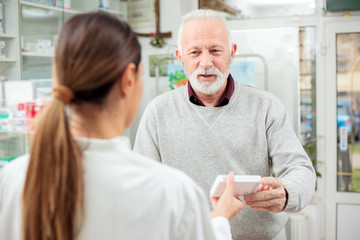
(227,205)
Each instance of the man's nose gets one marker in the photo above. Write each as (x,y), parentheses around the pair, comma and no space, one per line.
(206,60)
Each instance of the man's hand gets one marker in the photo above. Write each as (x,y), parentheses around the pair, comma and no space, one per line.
(270,196)
(227,205)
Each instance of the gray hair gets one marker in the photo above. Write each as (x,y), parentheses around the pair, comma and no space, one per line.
(200,14)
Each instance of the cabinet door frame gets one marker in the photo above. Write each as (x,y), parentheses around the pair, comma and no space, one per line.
(332,196)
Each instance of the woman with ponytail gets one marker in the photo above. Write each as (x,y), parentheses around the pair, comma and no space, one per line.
(81,180)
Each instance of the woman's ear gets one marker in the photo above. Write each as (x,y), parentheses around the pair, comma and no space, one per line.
(128,79)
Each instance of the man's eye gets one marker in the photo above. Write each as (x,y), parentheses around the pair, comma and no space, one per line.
(194,52)
(215,50)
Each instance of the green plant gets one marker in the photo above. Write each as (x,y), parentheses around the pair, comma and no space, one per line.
(310,149)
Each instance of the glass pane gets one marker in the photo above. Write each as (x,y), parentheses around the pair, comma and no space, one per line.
(348,119)
(245,9)
(9,42)
(39,31)
(307,43)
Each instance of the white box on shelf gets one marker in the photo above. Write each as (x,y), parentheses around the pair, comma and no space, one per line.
(67,4)
(18,91)
(43,46)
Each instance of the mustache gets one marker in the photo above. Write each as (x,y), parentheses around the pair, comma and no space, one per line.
(208,71)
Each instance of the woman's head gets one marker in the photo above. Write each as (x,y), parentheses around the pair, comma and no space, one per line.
(92,53)
(95,52)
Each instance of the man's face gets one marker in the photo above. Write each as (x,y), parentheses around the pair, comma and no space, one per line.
(205,54)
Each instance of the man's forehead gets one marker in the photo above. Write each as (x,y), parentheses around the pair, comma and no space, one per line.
(210,32)
(196,23)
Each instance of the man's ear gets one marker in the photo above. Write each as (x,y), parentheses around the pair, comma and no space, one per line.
(233,51)
(128,79)
(178,56)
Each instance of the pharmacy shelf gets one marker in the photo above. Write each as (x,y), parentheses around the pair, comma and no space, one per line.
(43,6)
(112,12)
(7,60)
(34,54)
(7,36)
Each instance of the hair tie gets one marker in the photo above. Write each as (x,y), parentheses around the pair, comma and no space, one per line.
(63,93)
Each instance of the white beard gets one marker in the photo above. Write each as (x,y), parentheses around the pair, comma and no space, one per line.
(208,87)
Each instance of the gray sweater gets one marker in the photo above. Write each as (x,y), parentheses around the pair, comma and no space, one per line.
(250,135)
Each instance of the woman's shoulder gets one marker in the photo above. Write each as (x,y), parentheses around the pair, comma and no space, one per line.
(12,178)
(16,167)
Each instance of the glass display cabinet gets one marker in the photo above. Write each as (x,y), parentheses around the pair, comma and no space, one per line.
(40,23)
(28,36)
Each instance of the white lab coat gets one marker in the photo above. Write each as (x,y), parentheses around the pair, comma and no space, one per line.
(126,196)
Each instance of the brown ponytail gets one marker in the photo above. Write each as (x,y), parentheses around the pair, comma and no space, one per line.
(92,52)
(53,187)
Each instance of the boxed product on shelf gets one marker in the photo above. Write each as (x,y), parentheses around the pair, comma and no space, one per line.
(44,46)
(20,118)
(59,3)
(4,120)
(67,4)
(105,4)
(28,46)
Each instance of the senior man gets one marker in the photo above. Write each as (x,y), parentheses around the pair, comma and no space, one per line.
(214,125)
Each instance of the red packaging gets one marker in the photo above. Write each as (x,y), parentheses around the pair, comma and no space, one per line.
(30,110)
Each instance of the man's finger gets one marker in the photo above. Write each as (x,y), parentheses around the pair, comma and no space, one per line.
(278,203)
(271,182)
(260,188)
(265,195)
